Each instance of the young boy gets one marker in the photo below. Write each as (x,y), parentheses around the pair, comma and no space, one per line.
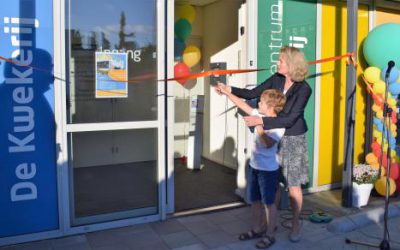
(263,165)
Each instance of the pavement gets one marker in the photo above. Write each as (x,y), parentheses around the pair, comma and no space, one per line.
(219,230)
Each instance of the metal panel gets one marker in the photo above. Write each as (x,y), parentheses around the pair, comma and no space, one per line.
(352,10)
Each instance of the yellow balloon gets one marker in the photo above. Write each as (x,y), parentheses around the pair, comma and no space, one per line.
(380,186)
(185,11)
(191,56)
(375,108)
(376,133)
(383,171)
(379,87)
(392,102)
(379,114)
(370,158)
(372,74)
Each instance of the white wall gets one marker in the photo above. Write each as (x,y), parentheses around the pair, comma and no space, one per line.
(221,45)
(214,32)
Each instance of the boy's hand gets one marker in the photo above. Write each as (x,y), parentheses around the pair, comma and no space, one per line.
(224,89)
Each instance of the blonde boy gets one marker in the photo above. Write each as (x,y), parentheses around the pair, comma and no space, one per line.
(264,165)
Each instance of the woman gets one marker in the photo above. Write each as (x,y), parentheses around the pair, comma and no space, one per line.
(290,79)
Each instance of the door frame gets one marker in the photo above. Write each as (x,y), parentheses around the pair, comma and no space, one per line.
(60,66)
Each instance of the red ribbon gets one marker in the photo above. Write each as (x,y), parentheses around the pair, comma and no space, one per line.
(349,56)
(212,72)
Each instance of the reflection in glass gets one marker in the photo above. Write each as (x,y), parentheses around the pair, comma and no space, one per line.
(114,171)
(112,26)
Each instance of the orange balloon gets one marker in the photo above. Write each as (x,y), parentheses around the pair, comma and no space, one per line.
(375,165)
(370,158)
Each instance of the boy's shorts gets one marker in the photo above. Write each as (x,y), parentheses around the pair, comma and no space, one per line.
(263,185)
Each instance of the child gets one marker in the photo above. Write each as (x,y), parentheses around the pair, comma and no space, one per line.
(263,165)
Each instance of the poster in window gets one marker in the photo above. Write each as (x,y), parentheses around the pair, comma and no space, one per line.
(111,75)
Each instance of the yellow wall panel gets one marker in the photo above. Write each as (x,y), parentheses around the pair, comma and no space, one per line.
(387,16)
(333,92)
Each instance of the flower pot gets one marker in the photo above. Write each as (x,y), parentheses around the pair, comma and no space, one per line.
(361,194)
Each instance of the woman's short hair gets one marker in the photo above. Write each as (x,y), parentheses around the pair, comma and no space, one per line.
(274,98)
(297,63)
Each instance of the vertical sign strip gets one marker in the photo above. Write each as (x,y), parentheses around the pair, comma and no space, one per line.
(291,23)
(28,190)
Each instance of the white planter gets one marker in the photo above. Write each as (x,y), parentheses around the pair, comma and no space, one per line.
(361,194)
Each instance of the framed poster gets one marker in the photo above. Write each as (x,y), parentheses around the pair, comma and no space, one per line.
(111,75)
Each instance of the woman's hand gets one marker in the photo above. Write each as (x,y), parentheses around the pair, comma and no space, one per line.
(252,121)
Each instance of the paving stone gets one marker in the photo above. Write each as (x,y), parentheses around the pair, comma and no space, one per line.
(67,242)
(193,247)
(167,227)
(200,227)
(220,217)
(38,245)
(217,239)
(236,227)
(180,239)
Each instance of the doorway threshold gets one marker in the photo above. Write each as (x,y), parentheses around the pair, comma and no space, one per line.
(208,209)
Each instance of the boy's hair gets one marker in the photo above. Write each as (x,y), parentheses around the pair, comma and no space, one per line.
(297,63)
(274,98)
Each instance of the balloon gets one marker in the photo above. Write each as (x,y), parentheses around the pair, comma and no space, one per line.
(372,74)
(382,45)
(375,165)
(398,186)
(375,145)
(391,101)
(379,114)
(183,29)
(377,121)
(379,127)
(394,171)
(393,75)
(370,158)
(191,56)
(380,186)
(376,134)
(375,107)
(394,88)
(186,11)
(179,47)
(379,87)
(180,70)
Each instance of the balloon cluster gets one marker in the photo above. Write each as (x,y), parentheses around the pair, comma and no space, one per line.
(380,47)
(186,56)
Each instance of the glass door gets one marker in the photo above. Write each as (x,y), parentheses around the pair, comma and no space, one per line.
(115,110)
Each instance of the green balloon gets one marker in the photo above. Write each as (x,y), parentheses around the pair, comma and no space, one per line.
(183,29)
(382,45)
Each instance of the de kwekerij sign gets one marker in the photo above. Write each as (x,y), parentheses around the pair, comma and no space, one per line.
(28,183)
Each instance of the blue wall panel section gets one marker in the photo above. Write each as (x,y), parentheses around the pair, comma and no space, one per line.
(28,180)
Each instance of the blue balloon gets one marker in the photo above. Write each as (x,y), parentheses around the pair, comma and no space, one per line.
(179,47)
(377,121)
(379,127)
(393,75)
(394,89)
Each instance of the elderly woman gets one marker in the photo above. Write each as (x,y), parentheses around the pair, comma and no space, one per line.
(290,79)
